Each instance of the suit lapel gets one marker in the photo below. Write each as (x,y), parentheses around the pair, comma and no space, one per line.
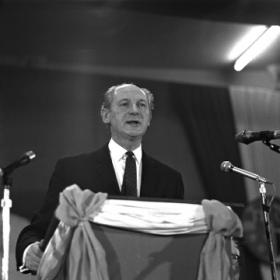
(148,183)
(106,171)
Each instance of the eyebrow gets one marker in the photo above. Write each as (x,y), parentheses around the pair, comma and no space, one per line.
(128,99)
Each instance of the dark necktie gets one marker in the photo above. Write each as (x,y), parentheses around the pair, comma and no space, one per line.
(129,186)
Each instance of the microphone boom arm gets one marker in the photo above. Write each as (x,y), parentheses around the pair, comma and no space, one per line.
(228,166)
(273,147)
(6,204)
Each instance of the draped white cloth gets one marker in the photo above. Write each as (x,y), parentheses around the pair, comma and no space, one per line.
(165,218)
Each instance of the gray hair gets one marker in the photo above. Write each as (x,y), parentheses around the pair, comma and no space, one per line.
(108,96)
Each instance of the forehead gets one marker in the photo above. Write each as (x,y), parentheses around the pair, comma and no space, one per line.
(129,91)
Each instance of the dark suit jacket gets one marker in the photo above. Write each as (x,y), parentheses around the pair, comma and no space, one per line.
(95,171)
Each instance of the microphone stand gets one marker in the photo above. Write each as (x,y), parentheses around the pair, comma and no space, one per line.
(272,146)
(6,204)
(265,209)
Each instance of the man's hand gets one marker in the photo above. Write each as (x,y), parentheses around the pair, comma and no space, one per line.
(33,256)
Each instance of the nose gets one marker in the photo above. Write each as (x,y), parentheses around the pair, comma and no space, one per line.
(134,108)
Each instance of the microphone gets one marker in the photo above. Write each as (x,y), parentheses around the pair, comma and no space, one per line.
(247,136)
(227,166)
(23,160)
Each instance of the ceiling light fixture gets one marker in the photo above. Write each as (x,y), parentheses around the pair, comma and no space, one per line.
(257,47)
(247,40)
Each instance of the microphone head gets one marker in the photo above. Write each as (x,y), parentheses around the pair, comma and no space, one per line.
(247,137)
(244,137)
(26,158)
(30,154)
(226,166)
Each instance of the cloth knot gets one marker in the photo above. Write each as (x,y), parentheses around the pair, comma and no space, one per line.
(216,260)
(74,248)
(82,220)
(77,206)
(221,219)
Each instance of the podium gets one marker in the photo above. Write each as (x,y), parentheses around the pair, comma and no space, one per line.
(102,239)
(140,256)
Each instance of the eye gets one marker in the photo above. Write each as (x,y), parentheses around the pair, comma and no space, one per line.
(123,103)
(142,105)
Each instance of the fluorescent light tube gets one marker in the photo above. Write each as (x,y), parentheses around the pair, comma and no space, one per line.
(257,47)
(247,40)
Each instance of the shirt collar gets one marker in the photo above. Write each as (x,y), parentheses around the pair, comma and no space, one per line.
(118,151)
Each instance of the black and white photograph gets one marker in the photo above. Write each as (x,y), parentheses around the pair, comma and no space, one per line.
(140,139)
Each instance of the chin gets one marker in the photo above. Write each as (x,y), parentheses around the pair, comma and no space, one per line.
(135,133)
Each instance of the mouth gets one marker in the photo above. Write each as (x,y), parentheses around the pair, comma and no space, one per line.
(133,122)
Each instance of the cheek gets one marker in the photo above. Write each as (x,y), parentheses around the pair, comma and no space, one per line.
(118,117)
(148,117)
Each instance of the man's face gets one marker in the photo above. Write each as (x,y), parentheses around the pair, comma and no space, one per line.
(129,114)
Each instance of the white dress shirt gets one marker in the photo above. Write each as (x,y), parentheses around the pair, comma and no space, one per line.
(118,157)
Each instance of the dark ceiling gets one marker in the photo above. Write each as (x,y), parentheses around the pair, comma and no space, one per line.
(242,11)
(141,33)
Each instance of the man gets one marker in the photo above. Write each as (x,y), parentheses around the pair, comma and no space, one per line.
(127,110)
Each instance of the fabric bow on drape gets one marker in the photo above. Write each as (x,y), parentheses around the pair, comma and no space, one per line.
(74,252)
(217,259)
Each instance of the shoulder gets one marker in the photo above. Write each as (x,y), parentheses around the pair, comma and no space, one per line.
(83,158)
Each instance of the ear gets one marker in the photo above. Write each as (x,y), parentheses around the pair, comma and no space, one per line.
(105,115)
(150,118)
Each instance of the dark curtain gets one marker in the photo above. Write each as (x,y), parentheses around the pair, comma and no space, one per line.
(206,114)
(207,117)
